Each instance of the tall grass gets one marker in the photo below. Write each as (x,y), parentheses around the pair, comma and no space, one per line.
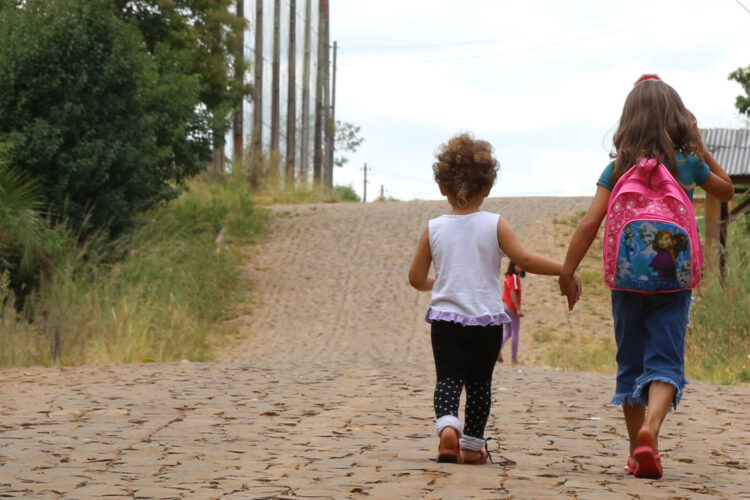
(718,340)
(270,187)
(176,277)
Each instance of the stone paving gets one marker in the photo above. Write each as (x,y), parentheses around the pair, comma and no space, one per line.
(328,394)
(334,430)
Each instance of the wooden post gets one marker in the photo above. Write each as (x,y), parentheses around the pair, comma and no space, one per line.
(291,103)
(712,228)
(723,223)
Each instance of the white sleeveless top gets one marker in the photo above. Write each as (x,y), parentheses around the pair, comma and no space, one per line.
(467,259)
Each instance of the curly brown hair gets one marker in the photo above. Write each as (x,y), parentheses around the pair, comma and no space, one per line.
(465,167)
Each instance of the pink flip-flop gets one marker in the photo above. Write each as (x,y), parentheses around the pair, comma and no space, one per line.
(628,468)
(649,463)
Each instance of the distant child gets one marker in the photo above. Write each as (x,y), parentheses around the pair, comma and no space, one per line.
(512,303)
(466,313)
(649,329)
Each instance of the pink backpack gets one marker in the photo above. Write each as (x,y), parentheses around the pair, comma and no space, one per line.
(651,242)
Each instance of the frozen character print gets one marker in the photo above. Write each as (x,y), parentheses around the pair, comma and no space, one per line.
(664,262)
(641,263)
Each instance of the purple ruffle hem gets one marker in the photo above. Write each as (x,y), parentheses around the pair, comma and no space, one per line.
(487,319)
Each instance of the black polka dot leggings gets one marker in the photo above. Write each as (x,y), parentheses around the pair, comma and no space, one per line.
(465,357)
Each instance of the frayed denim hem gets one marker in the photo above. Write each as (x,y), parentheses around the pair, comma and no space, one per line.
(624,400)
(639,396)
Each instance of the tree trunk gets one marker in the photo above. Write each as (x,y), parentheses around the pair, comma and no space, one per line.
(327,128)
(275,76)
(239,59)
(305,126)
(257,139)
(291,106)
(319,90)
(332,122)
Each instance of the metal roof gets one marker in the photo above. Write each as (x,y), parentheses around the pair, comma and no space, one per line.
(730,147)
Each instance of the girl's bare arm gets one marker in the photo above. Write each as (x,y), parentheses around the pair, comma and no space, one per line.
(718,185)
(580,242)
(531,262)
(420,266)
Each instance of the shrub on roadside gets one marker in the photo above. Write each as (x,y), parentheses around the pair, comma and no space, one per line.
(162,299)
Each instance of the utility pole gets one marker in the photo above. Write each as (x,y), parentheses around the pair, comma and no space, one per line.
(291,105)
(382,192)
(276,75)
(327,126)
(239,64)
(319,87)
(332,119)
(257,139)
(305,126)
(364,186)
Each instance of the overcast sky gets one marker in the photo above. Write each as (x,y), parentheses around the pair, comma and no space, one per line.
(544,81)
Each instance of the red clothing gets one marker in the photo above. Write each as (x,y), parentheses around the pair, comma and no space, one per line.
(512,282)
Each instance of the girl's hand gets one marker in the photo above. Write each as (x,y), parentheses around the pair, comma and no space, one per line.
(571,287)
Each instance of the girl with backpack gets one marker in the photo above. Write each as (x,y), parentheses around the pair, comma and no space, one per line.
(655,127)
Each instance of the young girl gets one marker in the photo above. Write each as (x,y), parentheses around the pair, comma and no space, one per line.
(466,312)
(512,304)
(649,329)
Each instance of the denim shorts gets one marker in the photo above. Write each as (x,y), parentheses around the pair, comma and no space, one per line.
(650,335)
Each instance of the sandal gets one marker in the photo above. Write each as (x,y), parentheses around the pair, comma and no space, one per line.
(649,463)
(449,455)
(628,468)
(484,455)
(481,460)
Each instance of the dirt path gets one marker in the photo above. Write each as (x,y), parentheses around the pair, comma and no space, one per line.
(327,394)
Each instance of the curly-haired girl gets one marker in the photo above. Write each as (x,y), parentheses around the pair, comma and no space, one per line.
(466,313)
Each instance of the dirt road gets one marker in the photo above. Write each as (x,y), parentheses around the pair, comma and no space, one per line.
(327,393)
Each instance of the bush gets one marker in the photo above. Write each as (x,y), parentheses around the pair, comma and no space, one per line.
(163,299)
(88,114)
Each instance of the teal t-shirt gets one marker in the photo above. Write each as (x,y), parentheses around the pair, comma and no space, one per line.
(689,169)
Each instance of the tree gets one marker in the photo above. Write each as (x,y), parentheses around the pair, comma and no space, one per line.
(103,128)
(347,139)
(207,36)
(742,76)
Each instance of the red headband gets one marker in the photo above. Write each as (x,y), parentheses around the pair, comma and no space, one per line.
(643,78)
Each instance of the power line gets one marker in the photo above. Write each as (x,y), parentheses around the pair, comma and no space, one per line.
(523,49)
(471,42)
(740,4)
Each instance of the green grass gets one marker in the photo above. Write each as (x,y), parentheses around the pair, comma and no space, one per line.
(718,338)
(594,355)
(163,299)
